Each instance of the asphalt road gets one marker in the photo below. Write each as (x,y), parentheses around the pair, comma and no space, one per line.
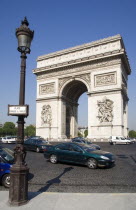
(47,177)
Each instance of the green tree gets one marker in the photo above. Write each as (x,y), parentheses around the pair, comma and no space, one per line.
(9,129)
(132,134)
(9,125)
(86,133)
(30,130)
(79,134)
(1,131)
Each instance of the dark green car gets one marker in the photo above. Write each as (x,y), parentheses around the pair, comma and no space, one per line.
(79,154)
(37,144)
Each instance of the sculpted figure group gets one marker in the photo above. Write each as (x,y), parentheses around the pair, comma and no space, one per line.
(105,110)
(46,115)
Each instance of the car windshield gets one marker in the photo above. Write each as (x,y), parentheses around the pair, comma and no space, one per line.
(79,138)
(88,148)
(7,155)
(41,141)
(87,142)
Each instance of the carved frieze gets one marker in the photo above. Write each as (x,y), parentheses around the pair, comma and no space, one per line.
(46,115)
(48,88)
(105,79)
(63,80)
(79,52)
(69,70)
(85,77)
(105,110)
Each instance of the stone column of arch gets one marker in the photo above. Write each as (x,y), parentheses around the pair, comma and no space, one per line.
(100,69)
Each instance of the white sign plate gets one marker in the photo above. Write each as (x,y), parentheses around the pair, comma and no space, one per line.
(18,110)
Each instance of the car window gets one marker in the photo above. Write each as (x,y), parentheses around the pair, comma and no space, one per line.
(35,137)
(7,155)
(79,141)
(27,141)
(89,149)
(75,148)
(88,142)
(63,147)
(41,142)
(33,142)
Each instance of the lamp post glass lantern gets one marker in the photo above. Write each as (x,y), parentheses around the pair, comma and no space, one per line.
(18,192)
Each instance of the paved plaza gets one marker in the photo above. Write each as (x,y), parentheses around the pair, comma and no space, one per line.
(71,187)
(70,178)
(74,201)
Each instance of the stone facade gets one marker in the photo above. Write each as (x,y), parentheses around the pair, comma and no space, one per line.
(101,69)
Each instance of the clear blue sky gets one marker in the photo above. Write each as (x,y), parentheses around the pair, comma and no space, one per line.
(60,24)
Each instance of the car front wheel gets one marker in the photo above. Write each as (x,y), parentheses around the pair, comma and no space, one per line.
(6,180)
(92,163)
(53,159)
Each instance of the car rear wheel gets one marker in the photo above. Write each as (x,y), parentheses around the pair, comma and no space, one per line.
(114,143)
(6,180)
(53,159)
(37,149)
(92,163)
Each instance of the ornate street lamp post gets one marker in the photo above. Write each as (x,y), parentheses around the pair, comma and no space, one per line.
(18,192)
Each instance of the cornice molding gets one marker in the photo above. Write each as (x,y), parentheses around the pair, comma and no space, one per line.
(81,61)
(111,91)
(78,69)
(83,46)
(83,53)
(47,98)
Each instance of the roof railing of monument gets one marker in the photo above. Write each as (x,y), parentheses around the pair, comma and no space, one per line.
(82,46)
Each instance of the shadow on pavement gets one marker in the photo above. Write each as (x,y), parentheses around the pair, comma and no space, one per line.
(56,180)
(30,176)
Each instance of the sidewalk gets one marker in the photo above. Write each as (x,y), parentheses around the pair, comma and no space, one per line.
(74,201)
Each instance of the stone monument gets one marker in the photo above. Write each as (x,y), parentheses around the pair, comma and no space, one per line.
(100,69)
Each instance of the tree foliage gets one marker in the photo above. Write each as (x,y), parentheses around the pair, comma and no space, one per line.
(132,134)
(9,125)
(79,134)
(9,129)
(85,133)
(30,130)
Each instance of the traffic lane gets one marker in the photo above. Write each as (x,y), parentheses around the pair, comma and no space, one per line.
(80,179)
(120,178)
(61,177)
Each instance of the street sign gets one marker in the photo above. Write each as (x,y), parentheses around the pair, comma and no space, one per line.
(16,110)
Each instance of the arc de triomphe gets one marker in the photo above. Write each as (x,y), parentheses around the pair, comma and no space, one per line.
(100,69)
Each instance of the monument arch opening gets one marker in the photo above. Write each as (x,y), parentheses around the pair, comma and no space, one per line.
(71,93)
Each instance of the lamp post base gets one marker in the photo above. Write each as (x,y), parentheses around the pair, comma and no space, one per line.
(18,192)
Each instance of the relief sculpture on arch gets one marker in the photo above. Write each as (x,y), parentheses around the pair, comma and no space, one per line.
(105,110)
